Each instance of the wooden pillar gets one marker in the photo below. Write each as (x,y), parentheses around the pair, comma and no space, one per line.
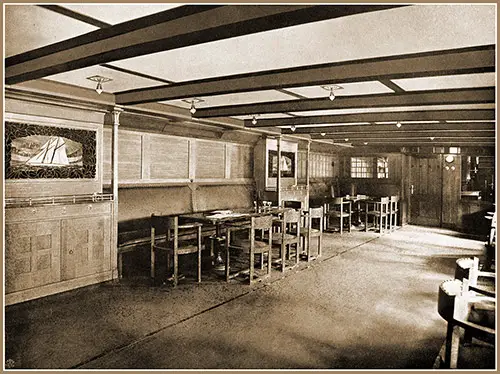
(114,185)
(308,171)
(278,177)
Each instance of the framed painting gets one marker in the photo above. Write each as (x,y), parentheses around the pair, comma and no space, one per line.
(49,152)
(287,164)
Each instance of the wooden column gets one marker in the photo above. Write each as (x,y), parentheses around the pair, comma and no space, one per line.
(114,185)
(308,169)
(278,177)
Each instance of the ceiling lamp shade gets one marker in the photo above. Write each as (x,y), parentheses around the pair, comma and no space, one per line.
(332,88)
(100,80)
(192,102)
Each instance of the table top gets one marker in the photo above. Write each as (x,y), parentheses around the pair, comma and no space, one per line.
(220,216)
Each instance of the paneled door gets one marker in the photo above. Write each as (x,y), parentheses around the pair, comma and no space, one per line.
(32,255)
(425,190)
(85,246)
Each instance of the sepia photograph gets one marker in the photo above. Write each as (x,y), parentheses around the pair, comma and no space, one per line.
(254,186)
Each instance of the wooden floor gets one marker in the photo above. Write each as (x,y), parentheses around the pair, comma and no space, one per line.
(369,302)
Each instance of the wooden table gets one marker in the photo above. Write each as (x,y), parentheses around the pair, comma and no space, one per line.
(219,218)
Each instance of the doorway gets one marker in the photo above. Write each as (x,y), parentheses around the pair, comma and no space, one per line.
(426,183)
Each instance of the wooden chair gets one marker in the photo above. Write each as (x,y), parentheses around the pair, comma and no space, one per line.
(258,242)
(378,210)
(178,241)
(339,210)
(288,235)
(393,212)
(465,306)
(308,232)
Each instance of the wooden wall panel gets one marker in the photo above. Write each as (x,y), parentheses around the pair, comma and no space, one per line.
(136,203)
(241,158)
(168,157)
(222,197)
(210,160)
(451,192)
(130,156)
(106,155)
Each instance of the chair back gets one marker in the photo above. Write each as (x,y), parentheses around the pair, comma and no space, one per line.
(337,200)
(295,204)
(262,222)
(291,216)
(315,214)
(168,225)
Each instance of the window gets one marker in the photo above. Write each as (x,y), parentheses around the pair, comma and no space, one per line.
(363,167)
(382,168)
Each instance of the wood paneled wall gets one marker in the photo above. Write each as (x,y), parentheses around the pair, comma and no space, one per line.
(322,165)
(156,159)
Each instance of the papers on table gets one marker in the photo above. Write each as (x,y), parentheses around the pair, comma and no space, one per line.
(222,214)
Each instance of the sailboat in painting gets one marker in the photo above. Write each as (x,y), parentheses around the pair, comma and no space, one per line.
(52,153)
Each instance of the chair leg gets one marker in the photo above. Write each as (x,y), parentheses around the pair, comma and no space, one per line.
(262,261)
(308,248)
(283,250)
(199,255)
(226,258)
(269,261)
(319,246)
(176,269)
(350,223)
(120,265)
(252,265)
(341,223)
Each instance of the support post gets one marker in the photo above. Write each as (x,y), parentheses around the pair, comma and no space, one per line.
(114,185)
(278,177)
(308,172)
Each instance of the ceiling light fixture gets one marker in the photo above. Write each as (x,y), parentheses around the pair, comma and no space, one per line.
(254,120)
(346,139)
(431,138)
(331,88)
(292,127)
(398,125)
(323,133)
(100,80)
(192,102)
(365,143)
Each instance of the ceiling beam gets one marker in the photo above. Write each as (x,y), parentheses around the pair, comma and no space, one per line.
(407,134)
(455,61)
(434,143)
(438,97)
(484,126)
(429,115)
(163,31)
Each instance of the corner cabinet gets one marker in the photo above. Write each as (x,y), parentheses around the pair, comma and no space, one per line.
(56,248)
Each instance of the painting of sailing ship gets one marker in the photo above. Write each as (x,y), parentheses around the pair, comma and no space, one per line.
(36,151)
(48,151)
(287,164)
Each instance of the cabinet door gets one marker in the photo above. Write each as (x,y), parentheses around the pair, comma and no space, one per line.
(86,246)
(32,255)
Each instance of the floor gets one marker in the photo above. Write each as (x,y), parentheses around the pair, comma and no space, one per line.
(369,302)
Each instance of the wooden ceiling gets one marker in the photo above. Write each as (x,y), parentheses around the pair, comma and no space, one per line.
(407,74)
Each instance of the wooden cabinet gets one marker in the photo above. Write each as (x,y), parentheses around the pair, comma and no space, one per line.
(85,246)
(32,255)
(55,248)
